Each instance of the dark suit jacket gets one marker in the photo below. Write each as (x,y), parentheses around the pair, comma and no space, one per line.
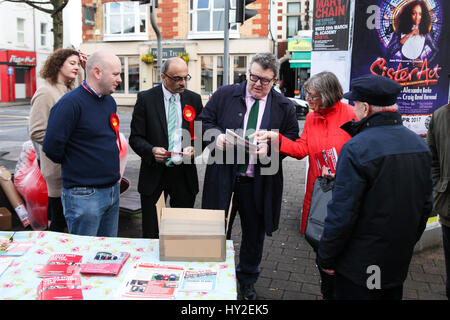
(149,129)
(226,110)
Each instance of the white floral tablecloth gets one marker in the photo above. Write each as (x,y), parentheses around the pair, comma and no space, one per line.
(21,280)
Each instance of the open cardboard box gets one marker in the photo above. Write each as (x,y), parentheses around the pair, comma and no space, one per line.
(187,234)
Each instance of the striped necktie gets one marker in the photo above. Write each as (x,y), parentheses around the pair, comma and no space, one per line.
(251,128)
(171,125)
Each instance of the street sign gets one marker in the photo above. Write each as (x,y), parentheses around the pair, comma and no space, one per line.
(168,52)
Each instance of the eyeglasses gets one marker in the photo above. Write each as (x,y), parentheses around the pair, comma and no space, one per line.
(178,79)
(308,94)
(255,78)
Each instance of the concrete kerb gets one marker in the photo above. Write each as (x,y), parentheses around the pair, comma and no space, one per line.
(431,237)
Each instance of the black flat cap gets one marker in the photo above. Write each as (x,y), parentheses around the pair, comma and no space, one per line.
(375,90)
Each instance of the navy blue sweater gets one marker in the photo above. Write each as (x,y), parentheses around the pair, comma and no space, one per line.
(80,137)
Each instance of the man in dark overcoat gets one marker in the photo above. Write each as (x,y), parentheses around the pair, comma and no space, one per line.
(256,185)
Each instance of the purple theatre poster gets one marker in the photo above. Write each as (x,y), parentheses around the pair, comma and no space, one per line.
(406,40)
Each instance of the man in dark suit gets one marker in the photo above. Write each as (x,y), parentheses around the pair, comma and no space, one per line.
(248,106)
(157,127)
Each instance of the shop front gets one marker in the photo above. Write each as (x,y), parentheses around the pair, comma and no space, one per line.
(300,61)
(205,61)
(17,75)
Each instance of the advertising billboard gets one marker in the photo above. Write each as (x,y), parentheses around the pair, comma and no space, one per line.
(407,41)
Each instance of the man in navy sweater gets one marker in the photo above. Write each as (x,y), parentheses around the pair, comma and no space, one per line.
(81,136)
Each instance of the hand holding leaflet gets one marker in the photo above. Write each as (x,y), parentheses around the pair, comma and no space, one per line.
(237,140)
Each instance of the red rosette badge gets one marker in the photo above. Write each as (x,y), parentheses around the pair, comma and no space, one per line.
(114,121)
(189,116)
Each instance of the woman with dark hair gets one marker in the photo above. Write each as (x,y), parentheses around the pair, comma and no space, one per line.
(59,72)
(321,132)
(412,26)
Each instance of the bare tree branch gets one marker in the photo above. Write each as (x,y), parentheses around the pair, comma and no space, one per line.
(61,7)
(32,4)
(55,13)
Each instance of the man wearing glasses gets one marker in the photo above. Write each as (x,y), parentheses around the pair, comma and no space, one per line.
(157,128)
(246,107)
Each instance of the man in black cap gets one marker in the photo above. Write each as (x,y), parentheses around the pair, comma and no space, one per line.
(381,200)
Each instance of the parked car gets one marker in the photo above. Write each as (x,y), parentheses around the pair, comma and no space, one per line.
(301,107)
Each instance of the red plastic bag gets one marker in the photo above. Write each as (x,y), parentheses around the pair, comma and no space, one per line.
(31,185)
(123,153)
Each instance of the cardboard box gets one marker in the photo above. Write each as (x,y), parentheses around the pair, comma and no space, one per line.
(5,219)
(190,234)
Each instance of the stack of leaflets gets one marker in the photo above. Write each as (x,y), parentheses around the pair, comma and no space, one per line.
(326,158)
(60,288)
(105,263)
(61,265)
(151,281)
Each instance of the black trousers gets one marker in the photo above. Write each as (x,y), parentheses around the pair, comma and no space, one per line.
(446,243)
(55,213)
(347,290)
(327,284)
(253,233)
(174,186)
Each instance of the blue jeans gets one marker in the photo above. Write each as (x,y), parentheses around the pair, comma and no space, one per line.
(92,211)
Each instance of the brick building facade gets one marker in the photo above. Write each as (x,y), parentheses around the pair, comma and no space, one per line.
(193,27)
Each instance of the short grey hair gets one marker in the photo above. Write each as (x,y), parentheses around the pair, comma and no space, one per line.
(267,61)
(100,59)
(95,60)
(327,85)
(166,64)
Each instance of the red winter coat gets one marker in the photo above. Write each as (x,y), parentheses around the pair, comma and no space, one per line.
(321,131)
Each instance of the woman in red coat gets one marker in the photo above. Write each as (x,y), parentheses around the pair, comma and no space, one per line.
(321,132)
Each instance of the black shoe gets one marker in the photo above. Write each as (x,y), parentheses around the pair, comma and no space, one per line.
(248,292)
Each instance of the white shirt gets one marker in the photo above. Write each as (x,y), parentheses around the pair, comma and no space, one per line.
(177,135)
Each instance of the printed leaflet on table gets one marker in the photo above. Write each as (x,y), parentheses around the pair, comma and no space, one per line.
(4,263)
(17,248)
(61,265)
(60,288)
(105,263)
(199,280)
(151,281)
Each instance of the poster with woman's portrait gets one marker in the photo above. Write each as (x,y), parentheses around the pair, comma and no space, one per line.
(407,41)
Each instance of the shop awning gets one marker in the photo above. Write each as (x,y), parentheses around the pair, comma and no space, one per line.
(304,65)
(300,59)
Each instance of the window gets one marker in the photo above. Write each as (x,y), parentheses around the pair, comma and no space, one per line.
(293,18)
(207,64)
(207,19)
(125,20)
(20,30)
(43,34)
(129,75)
(133,75)
(239,68)
(212,76)
(219,71)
